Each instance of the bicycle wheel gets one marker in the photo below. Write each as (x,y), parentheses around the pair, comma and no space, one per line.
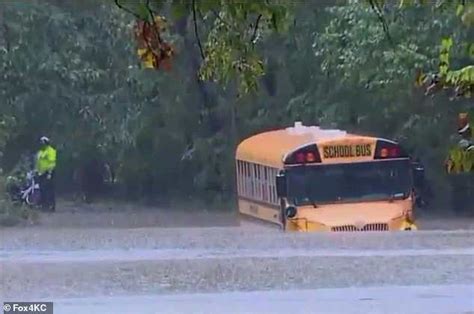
(33,198)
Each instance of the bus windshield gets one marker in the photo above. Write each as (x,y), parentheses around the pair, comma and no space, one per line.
(349,182)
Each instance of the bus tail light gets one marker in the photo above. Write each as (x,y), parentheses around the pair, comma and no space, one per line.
(300,158)
(387,149)
(310,157)
(305,155)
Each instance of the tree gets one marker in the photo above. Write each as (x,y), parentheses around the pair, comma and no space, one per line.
(460,80)
(373,75)
(63,72)
(84,85)
(233,30)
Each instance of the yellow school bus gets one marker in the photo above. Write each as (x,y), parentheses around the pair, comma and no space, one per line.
(305,178)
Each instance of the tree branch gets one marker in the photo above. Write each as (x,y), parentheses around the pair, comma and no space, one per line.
(196,32)
(152,15)
(382,20)
(220,18)
(6,31)
(6,36)
(150,12)
(126,9)
(254,36)
(149,8)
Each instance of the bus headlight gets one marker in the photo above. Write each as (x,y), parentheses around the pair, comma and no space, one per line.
(408,226)
(290,211)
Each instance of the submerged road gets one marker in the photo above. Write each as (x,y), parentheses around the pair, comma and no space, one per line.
(238,270)
(392,299)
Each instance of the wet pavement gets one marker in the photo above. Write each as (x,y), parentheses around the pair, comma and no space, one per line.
(250,268)
(393,299)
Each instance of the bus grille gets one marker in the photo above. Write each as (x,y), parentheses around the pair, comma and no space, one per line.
(368,227)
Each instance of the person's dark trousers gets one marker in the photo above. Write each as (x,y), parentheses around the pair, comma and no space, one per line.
(462,193)
(47,188)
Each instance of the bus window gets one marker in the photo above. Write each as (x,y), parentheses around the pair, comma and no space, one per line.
(273,178)
(343,182)
(250,180)
(240,178)
(265,185)
(259,182)
(247,179)
(256,182)
(237,167)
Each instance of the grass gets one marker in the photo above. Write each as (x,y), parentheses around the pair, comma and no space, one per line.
(12,215)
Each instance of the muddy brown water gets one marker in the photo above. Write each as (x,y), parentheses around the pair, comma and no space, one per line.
(103,252)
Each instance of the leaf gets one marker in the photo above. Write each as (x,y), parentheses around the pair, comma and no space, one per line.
(470,50)
(443,69)
(468,16)
(420,78)
(444,58)
(380,3)
(207,5)
(459,9)
(405,3)
(446,43)
(180,8)
(143,12)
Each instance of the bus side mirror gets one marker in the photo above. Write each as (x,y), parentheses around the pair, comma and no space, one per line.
(291,212)
(419,202)
(281,186)
(418,183)
(418,175)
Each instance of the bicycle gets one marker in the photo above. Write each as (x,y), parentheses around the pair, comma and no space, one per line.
(29,193)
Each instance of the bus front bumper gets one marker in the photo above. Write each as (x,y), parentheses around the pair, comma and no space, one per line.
(304,225)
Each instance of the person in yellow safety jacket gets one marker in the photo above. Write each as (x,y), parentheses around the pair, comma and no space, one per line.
(45,168)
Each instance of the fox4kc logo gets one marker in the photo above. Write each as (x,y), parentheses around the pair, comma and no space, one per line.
(28,307)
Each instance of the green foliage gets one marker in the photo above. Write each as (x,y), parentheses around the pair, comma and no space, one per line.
(461,80)
(377,74)
(174,133)
(59,80)
(11,215)
(233,30)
